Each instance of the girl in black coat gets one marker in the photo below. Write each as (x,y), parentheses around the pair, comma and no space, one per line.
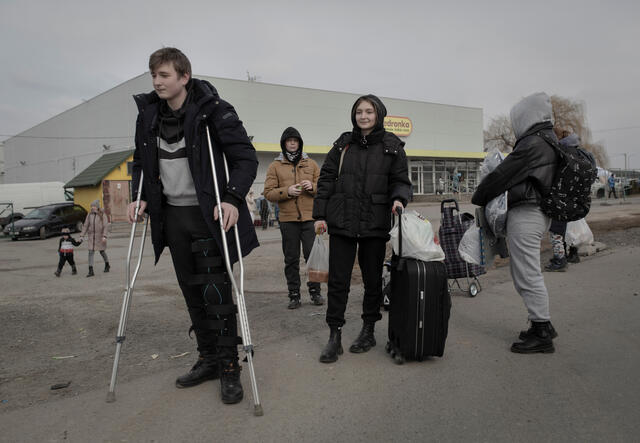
(363,180)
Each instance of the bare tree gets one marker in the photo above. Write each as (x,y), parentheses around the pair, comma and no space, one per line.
(569,117)
(499,135)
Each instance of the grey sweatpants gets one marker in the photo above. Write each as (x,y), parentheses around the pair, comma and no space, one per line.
(526,224)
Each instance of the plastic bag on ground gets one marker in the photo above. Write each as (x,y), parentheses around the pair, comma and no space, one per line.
(417,238)
(578,233)
(318,262)
(470,248)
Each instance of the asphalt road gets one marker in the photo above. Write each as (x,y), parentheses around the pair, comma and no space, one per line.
(589,390)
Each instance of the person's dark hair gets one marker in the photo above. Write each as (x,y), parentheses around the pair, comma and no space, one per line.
(181,63)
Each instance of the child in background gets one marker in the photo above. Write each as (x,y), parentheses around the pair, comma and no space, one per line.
(65,250)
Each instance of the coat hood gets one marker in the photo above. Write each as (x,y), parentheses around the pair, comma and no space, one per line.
(381,111)
(570,140)
(290,132)
(530,111)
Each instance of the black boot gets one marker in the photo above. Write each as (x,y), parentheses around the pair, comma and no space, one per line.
(334,346)
(365,340)
(539,341)
(206,368)
(90,274)
(529,332)
(294,300)
(557,265)
(74,270)
(230,385)
(57,273)
(573,256)
(106,266)
(316,296)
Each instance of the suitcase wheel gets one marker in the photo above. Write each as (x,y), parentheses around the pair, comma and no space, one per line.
(398,359)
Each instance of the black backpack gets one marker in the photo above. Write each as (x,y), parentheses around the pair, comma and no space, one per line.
(570,196)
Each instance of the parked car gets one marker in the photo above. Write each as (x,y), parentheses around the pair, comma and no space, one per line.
(6,220)
(48,220)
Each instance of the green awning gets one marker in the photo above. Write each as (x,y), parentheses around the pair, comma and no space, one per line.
(99,169)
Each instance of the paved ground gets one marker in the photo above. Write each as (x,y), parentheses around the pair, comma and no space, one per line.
(587,391)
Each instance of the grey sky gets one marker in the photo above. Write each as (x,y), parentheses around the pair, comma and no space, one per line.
(484,54)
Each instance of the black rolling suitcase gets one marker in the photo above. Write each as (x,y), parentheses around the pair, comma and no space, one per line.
(420,307)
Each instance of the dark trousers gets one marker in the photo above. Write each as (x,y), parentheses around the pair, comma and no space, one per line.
(612,189)
(342,254)
(294,233)
(184,225)
(66,257)
(264,217)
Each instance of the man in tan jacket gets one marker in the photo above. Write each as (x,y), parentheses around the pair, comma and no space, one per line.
(291,182)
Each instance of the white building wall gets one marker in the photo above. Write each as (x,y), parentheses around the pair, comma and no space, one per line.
(61,147)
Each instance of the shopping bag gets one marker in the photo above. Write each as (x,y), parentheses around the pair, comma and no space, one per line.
(470,248)
(496,209)
(318,262)
(417,238)
(578,233)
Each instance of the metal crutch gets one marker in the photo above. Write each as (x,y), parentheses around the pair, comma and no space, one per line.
(242,309)
(126,302)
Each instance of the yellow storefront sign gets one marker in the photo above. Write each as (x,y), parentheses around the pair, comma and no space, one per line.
(400,126)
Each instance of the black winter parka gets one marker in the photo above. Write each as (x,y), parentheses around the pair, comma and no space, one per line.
(228,136)
(357,202)
(527,173)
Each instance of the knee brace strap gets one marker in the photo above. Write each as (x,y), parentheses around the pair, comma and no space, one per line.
(214,261)
(229,341)
(205,245)
(206,279)
(221,309)
(209,323)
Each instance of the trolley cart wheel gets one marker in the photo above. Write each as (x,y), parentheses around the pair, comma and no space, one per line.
(398,359)
(473,289)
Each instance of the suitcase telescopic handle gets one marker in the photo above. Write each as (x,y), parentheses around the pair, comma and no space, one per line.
(399,212)
(449,200)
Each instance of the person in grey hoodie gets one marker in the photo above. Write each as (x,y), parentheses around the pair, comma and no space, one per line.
(527,174)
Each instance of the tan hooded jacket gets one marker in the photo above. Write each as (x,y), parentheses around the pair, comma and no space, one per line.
(282,174)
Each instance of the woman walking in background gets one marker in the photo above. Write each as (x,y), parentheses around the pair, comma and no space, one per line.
(95,229)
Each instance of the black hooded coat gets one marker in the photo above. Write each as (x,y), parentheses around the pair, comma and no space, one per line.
(355,200)
(228,136)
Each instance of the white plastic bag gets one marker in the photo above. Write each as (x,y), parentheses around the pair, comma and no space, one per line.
(318,262)
(417,238)
(496,213)
(496,209)
(578,233)
(470,249)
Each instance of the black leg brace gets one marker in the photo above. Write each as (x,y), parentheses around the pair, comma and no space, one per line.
(214,320)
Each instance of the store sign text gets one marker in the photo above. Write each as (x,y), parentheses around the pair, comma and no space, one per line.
(400,126)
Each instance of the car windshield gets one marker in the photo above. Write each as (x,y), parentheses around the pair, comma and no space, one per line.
(39,213)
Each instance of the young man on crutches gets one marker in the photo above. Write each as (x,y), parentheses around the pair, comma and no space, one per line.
(172,149)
